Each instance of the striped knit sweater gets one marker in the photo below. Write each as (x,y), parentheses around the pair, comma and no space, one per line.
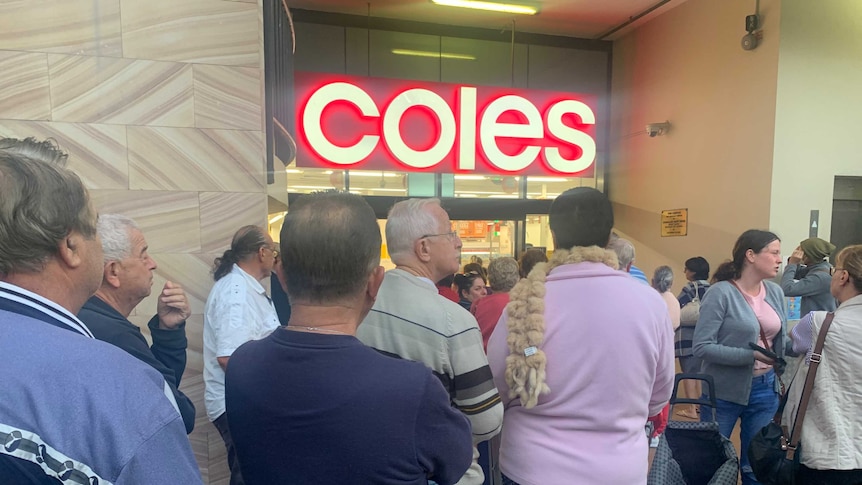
(412,321)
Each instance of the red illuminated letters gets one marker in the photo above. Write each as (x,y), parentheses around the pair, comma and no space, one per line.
(509,131)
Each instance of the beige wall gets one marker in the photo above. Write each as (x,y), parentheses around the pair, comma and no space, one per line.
(817,120)
(159,104)
(687,66)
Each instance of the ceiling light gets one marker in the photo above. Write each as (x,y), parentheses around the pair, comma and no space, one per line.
(354,173)
(292,170)
(492,6)
(444,55)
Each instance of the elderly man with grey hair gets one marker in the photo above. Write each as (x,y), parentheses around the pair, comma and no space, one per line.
(412,321)
(127,279)
(626,255)
(74,409)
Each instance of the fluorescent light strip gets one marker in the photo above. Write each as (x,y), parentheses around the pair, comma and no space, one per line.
(491,6)
(292,170)
(371,174)
(437,55)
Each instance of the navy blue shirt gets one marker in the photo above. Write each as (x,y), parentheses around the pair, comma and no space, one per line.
(312,408)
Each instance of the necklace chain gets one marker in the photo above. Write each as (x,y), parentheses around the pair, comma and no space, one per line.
(297,328)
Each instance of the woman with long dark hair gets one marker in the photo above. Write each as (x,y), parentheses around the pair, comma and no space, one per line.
(742,308)
(471,287)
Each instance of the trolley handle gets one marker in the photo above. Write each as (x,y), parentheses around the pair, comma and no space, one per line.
(710,388)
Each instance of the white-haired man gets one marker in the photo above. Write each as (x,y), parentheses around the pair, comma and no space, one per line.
(74,409)
(412,321)
(126,280)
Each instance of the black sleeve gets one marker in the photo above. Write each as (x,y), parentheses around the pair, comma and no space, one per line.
(168,356)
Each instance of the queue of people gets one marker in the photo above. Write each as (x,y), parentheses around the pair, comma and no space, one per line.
(377,377)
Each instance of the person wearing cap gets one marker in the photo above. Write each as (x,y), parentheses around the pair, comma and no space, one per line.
(807,275)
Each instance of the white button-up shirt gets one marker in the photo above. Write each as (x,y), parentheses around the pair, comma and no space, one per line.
(237,310)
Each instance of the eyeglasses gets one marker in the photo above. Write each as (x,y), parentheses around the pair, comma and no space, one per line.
(833,269)
(274,251)
(447,234)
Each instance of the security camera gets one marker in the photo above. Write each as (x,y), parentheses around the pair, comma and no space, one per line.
(655,129)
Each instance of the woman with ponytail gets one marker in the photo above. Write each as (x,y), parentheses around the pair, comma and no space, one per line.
(742,308)
(582,356)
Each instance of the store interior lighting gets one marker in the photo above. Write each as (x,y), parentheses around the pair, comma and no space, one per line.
(440,55)
(490,6)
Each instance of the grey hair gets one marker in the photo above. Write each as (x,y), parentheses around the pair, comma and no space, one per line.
(662,279)
(407,221)
(115,230)
(625,251)
(503,273)
(42,202)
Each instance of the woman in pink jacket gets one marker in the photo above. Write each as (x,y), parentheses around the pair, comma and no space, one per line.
(581,357)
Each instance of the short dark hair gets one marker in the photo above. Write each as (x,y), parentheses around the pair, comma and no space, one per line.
(582,217)
(330,244)
(531,258)
(753,239)
(699,266)
(41,202)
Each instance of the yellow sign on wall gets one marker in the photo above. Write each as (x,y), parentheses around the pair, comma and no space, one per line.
(674,222)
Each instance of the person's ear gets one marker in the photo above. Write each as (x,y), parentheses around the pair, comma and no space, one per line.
(749,255)
(422,249)
(374,282)
(111,274)
(69,249)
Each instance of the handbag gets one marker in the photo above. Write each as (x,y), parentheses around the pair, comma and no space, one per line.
(689,314)
(774,458)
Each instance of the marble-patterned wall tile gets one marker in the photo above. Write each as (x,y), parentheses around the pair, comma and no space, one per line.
(196,159)
(202,31)
(223,213)
(170,221)
(97,153)
(121,91)
(227,97)
(24,93)
(90,27)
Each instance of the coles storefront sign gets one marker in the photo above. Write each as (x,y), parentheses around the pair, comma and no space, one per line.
(347,122)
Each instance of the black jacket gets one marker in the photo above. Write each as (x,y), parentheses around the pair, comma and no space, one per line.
(167,355)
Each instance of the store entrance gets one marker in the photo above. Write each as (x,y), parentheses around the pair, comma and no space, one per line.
(489,228)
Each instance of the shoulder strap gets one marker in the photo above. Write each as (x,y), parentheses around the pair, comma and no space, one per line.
(816,355)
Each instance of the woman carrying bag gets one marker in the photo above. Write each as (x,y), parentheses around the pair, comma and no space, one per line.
(743,308)
(696,272)
(831,451)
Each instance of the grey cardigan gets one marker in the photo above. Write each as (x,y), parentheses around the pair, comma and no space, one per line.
(726,326)
(813,287)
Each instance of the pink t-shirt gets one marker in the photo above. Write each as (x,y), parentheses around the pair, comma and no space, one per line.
(769,321)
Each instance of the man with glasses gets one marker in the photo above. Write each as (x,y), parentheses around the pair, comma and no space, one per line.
(237,310)
(412,321)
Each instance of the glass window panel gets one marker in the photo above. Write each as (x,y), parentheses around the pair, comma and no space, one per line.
(486,186)
(357,52)
(568,70)
(319,48)
(304,180)
(403,55)
(378,182)
(548,187)
(482,62)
